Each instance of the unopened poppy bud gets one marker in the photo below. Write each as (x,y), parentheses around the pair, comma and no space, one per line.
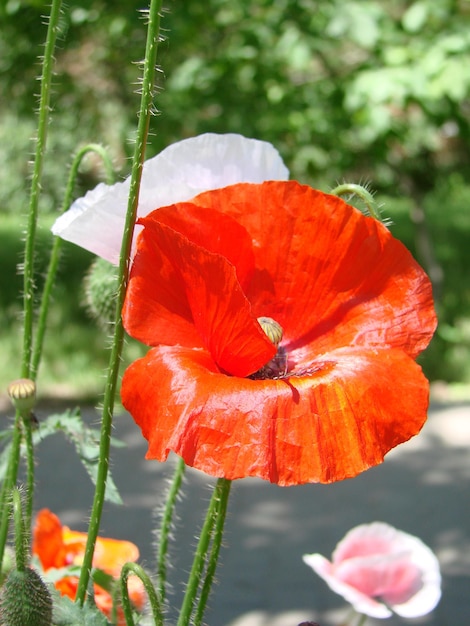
(22,393)
(272,329)
(25,600)
(101,290)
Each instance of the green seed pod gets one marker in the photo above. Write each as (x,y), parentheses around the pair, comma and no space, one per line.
(272,329)
(25,600)
(100,291)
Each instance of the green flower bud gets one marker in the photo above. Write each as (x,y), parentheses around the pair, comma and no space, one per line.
(25,600)
(100,291)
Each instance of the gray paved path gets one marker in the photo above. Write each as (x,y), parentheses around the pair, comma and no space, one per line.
(422,488)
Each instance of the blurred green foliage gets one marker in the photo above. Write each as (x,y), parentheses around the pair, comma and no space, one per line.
(356,90)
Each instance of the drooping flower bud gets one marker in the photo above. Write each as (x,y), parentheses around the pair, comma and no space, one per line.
(22,394)
(25,600)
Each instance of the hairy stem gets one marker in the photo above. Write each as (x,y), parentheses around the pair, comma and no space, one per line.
(215,549)
(116,349)
(165,528)
(350,189)
(28,276)
(215,515)
(18,522)
(134,568)
(28,271)
(56,249)
(30,473)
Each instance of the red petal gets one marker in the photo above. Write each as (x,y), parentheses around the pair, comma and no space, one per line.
(181,293)
(48,543)
(330,425)
(211,230)
(329,275)
(110,554)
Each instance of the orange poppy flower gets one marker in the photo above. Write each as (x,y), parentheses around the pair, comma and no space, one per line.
(57,546)
(340,390)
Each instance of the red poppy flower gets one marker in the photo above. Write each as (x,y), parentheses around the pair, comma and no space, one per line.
(340,390)
(57,546)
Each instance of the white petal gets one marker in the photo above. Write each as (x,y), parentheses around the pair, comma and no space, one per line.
(398,542)
(378,538)
(359,601)
(180,172)
(429,595)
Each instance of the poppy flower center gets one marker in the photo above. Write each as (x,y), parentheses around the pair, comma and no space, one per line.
(277,366)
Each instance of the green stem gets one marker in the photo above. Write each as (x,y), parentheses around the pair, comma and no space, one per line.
(362,620)
(137,570)
(118,339)
(56,248)
(30,471)
(220,495)
(28,277)
(19,531)
(350,189)
(166,524)
(9,483)
(214,555)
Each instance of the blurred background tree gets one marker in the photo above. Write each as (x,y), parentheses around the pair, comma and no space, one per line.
(356,90)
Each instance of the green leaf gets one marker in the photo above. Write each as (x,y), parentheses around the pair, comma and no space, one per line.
(68,613)
(104,580)
(359,22)
(54,574)
(86,442)
(415,17)
(452,82)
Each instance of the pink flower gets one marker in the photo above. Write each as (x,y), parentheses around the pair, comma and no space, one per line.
(379,569)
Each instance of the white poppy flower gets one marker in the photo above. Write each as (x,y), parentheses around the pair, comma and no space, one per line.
(379,569)
(180,172)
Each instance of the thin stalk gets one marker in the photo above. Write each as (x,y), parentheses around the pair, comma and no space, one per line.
(30,471)
(165,528)
(350,616)
(57,246)
(220,493)
(214,555)
(118,339)
(19,526)
(8,484)
(137,570)
(362,620)
(28,276)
